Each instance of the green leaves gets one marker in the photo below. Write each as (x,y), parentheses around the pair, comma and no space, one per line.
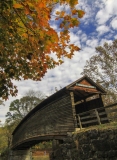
(20,107)
(102,68)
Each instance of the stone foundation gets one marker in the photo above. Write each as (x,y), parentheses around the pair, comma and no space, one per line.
(95,144)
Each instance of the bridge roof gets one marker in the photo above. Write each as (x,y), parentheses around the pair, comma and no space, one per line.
(84,87)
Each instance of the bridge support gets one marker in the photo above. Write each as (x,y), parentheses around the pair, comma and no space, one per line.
(55,143)
(21,155)
(73,109)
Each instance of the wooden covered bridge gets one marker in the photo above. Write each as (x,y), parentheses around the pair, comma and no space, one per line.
(61,113)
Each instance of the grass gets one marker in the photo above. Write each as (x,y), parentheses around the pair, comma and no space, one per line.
(112,125)
(45,157)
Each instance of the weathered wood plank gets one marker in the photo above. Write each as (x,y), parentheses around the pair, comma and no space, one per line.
(98,117)
(87,117)
(90,122)
(48,119)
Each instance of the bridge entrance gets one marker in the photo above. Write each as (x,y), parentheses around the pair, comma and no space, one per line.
(86,96)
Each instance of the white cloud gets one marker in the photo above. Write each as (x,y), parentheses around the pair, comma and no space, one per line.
(83,38)
(79,32)
(103,40)
(74,38)
(114,23)
(115,36)
(102,29)
(108,10)
(92,42)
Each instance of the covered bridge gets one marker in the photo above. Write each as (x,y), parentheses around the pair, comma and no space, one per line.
(56,115)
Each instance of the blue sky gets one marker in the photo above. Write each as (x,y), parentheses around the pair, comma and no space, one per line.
(99,25)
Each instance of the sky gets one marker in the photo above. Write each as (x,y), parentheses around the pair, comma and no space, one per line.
(99,25)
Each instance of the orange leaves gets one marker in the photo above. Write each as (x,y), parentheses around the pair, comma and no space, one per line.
(41,4)
(61,25)
(76,48)
(57,12)
(25,77)
(74,11)
(17,5)
(25,35)
(68,19)
(73,3)
(75,22)
(69,56)
(80,13)
(30,39)
(27,10)
(61,14)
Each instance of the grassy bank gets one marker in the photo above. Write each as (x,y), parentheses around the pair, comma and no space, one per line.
(111,125)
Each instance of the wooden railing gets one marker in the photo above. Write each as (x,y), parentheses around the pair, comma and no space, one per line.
(97,116)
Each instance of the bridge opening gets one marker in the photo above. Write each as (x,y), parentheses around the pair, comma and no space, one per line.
(86,99)
(88,104)
(42,150)
(87,108)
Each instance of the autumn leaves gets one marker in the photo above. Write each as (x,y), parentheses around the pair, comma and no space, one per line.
(29,39)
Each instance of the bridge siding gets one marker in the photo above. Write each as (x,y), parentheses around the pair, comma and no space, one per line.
(53,118)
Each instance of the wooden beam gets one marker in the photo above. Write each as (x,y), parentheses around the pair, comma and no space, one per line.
(80,124)
(78,102)
(73,109)
(98,117)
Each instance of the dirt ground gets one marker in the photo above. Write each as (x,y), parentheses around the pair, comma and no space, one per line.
(40,155)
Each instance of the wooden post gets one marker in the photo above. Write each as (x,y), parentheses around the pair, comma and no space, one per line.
(31,154)
(80,124)
(73,109)
(97,115)
(55,144)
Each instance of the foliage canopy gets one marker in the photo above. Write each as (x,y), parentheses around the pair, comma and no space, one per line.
(19,108)
(102,67)
(27,39)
